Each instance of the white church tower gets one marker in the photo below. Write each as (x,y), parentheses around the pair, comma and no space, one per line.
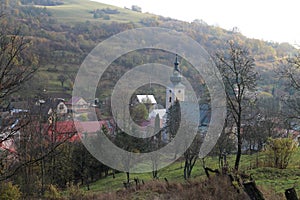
(176,90)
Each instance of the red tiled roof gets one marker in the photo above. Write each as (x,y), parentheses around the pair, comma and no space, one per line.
(78,128)
(8,145)
(65,130)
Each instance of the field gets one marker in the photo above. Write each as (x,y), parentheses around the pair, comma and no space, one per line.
(73,11)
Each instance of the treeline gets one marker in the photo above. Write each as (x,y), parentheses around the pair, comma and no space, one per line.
(42,2)
(104,13)
(46,154)
(68,164)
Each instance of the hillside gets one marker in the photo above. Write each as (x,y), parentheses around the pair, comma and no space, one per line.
(271,181)
(63,34)
(73,11)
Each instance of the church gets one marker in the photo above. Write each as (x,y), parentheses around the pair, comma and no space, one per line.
(176,91)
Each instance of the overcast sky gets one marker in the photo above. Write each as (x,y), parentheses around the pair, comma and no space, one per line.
(276,20)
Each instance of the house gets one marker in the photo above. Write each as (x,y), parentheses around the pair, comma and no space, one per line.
(162,116)
(160,112)
(76,130)
(92,127)
(146,99)
(60,131)
(7,145)
(41,109)
(7,136)
(58,106)
(18,105)
(77,104)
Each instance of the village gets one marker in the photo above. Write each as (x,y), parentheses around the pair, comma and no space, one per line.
(100,100)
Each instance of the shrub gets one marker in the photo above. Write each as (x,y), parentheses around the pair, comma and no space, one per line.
(75,193)
(280,150)
(8,191)
(52,193)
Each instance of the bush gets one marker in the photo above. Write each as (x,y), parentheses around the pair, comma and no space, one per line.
(75,193)
(106,17)
(84,117)
(52,193)
(8,191)
(280,150)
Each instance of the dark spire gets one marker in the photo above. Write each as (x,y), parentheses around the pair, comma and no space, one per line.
(176,63)
(176,77)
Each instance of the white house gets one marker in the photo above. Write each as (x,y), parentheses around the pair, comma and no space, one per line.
(146,99)
(77,104)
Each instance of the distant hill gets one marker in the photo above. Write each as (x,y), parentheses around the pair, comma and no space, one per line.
(63,32)
(73,11)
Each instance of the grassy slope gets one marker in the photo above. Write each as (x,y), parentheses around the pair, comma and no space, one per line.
(275,179)
(279,179)
(78,11)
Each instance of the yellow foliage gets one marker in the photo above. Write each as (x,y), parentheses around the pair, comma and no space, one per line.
(8,191)
(280,150)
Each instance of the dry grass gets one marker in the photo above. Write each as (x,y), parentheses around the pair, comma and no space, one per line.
(215,188)
(270,194)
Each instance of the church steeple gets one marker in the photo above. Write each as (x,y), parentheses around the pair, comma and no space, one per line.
(176,90)
(176,63)
(176,77)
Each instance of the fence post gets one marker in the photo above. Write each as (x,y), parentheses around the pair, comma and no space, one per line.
(290,194)
(252,191)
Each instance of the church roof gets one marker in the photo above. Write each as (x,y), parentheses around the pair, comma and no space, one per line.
(146,99)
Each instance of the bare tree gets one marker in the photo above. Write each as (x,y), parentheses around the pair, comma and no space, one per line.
(191,155)
(35,148)
(289,71)
(17,63)
(225,143)
(237,68)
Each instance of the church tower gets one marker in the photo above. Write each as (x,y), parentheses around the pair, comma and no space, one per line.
(176,90)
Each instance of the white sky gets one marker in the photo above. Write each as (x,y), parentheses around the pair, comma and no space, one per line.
(276,20)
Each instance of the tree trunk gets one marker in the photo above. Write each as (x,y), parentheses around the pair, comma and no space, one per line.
(185,170)
(239,148)
(154,174)
(188,167)
(128,177)
(42,176)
